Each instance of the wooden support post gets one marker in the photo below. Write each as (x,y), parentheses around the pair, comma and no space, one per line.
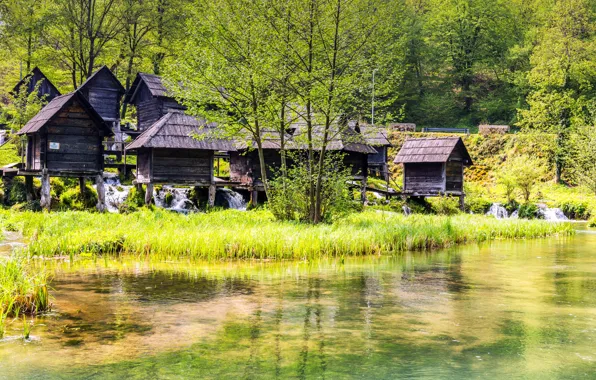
(101,193)
(212,190)
(29,188)
(254,197)
(149,194)
(462,204)
(363,191)
(46,199)
(82,185)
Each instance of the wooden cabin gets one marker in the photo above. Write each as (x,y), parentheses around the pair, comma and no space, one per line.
(245,167)
(104,91)
(151,99)
(36,77)
(177,149)
(65,139)
(434,166)
(377,138)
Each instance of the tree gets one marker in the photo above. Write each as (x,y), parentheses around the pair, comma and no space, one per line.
(526,172)
(562,75)
(583,167)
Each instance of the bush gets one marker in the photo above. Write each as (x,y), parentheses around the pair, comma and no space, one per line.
(529,211)
(445,205)
(477,205)
(17,192)
(579,210)
(74,200)
(592,222)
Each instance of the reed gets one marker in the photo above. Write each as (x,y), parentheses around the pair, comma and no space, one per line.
(23,288)
(234,234)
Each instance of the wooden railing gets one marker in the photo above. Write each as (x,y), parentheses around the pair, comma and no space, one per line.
(447,130)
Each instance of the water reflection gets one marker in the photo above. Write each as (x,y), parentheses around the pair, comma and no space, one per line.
(510,309)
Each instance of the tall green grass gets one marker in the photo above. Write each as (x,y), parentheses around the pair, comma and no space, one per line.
(233,234)
(23,288)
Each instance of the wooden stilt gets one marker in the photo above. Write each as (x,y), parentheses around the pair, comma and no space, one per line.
(46,199)
(462,204)
(212,190)
(254,197)
(29,188)
(101,193)
(149,194)
(82,185)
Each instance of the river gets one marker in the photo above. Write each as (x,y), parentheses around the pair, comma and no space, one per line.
(504,310)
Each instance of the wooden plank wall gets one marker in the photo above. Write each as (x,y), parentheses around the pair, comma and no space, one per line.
(423,178)
(379,158)
(182,165)
(148,112)
(80,142)
(144,166)
(455,176)
(103,95)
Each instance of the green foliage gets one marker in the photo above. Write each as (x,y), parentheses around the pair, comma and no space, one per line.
(134,200)
(23,288)
(234,234)
(528,211)
(523,172)
(445,205)
(577,210)
(73,199)
(168,198)
(477,205)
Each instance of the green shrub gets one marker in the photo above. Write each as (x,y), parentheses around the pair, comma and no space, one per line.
(528,211)
(579,210)
(168,198)
(445,205)
(135,198)
(592,222)
(58,187)
(74,200)
(477,205)
(17,192)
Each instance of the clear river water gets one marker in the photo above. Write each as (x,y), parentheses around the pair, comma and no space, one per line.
(504,310)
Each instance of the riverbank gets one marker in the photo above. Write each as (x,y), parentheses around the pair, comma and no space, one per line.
(232,234)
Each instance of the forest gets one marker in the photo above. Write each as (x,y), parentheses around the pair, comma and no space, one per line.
(435,62)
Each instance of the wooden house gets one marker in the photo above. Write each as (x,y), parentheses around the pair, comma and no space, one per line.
(36,78)
(151,99)
(245,167)
(104,91)
(65,139)
(434,166)
(376,137)
(177,149)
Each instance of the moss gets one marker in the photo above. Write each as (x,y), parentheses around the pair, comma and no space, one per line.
(134,200)
(168,198)
(74,200)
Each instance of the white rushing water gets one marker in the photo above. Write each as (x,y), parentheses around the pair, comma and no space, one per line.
(547,213)
(179,201)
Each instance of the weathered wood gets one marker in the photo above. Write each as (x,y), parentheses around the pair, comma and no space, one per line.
(363,191)
(29,188)
(46,199)
(82,185)
(101,193)
(254,197)
(149,194)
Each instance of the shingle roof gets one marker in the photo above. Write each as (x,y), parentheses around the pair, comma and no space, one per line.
(375,136)
(54,107)
(95,74)
(154,84)
(433,149)
(339,139)
(176,130)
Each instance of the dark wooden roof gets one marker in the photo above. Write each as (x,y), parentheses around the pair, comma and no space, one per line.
(53,108)
(31,79)
(374,135)
(101,71)
(154,84)
(176,130)
(340,139)
(432,149)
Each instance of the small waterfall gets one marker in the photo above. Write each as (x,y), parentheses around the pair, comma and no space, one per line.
(177,200)
(498,211)
(226,197)
(553,214)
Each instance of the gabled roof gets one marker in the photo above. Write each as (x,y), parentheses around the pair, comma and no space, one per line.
(176,130)
(432,149)
(103,69)
(35,73)
(53,108)
(154,84)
